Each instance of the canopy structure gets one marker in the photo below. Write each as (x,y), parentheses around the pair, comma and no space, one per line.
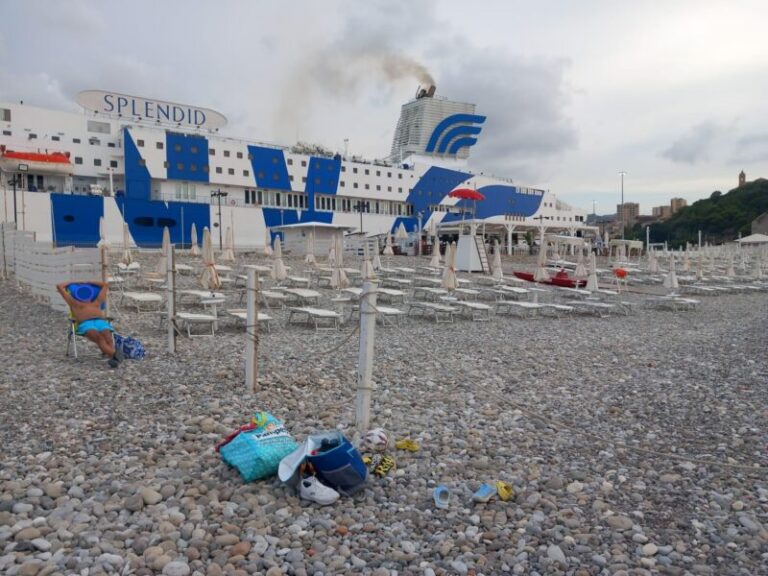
(754,239)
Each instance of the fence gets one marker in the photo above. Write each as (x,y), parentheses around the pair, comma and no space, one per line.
(37,267)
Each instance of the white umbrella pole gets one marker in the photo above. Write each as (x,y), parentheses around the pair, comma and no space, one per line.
(365,356)
(171,298)
(251,334)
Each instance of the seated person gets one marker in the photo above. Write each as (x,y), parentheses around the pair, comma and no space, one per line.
(91,321)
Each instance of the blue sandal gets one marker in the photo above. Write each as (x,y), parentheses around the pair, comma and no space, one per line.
(442,496)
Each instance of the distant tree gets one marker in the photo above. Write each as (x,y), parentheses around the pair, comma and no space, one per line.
(715,195)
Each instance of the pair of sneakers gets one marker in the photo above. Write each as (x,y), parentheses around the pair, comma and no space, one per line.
(310,488)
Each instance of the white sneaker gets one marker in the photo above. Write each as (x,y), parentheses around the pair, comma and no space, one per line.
(313,489)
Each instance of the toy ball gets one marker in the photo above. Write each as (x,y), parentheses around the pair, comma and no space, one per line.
(620,273)
(375,440)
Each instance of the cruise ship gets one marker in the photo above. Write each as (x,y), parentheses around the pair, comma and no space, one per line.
(153,164)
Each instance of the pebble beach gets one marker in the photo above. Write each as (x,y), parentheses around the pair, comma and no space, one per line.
(636,445)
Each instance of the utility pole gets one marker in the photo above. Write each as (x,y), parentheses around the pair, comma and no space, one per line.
(419,215)
(622,173)
(360,206)
(219,194)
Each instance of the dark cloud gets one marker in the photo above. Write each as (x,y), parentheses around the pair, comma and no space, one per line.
(694,146)
(751,148)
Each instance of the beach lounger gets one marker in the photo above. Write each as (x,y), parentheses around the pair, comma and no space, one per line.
(522,309)
(673,303)
(301,295)
(270,297)
(143,301)
(242,314)
(600,309)
(298,281)
(428,293)
(197,296)
(557,309)
(466,293)
(185,320)
(475,311)
(324,282)
(390,295)
(440,312)
(321,318)
(392,282)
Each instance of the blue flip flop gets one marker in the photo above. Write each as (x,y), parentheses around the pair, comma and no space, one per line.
(442,496)
(484,493)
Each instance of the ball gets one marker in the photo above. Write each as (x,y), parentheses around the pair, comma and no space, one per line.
(375,440)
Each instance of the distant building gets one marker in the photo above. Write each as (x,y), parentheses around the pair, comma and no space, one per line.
(661,212)
(760,224)
(742,178)
(627,213)
(676,204)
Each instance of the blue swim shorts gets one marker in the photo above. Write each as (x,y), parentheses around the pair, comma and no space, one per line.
(98,324)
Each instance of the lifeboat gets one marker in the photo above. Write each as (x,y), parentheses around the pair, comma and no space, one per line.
(560,279)
(37,162)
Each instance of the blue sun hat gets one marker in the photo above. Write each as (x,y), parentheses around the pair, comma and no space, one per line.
(83,292)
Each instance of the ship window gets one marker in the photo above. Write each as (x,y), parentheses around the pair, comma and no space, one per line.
(218,169)
(261,175)
(343,168)
(113,163)
(341,183)
(247,196)
(163,222)
(290,161)
(290,200)
(354,170)
(246,173)
(76,140)
(367,187)
(143,221)
(354,184)
(239,154)
(193,149)
(211,152)
(277,199)
(290,177)
(6,132)
(378,187)
(205,168)
(303,179)
(231,171)
(367,172)
(68,218)
(97,161)
(96,126)
(400,175)
(317,181)
(303,162)
(389,188)
(180,166)
(165,163)
(142,162)
(110,144)
(250,156)
(193,167)
(177,147)
(389,174)
(140,143)
(32,136)
(378,172)
(400,190)
(226,153)
(78,159)
(5,114)
(55,138)
(160,145)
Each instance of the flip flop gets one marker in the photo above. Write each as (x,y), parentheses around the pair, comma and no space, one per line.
(484,493)
(385,465)
(442,496)
(505,491)
(407,444)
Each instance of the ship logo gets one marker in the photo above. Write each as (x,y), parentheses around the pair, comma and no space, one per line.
(454,133)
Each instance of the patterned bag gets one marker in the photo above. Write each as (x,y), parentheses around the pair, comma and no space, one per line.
(130,347)
(257,448)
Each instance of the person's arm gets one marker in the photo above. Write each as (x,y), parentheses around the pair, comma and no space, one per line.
(62,288)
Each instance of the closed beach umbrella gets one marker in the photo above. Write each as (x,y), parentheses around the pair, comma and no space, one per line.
(278,271)
(102,235)
(757,267)
(339,279)
(195,248)
(653,264)
(229,246)
(432,228)
(268,243)
(332,253)
(498,273)
(127,255)
(210,277)
(670,281)
(581,270)
(730,272)
(449,274)
(686,261)
(388,247)
(540,274)
(592,278)
(310,256)
(400,233)
(366,270)
(162,263)
(435,262)
(699,266)
(376,259)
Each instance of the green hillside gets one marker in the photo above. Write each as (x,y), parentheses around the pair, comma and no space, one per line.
(720,217)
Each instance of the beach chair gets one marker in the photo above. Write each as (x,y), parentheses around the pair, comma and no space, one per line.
(142,301)
(475,311)
(439,312)
(321,318)
(517,308)
(242,314)
(185,320)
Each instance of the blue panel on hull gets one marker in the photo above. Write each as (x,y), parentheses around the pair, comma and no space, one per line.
(138,183)
(500,199)
(443,125)
(269,168)
(147,218)
(75,219)
(430,190)
(187,156)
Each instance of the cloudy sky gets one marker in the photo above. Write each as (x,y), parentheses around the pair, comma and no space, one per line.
(673,92)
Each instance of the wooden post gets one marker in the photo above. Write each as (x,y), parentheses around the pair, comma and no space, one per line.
(104,274)
(171,298)
(365,356)
(252,333)
(2,252)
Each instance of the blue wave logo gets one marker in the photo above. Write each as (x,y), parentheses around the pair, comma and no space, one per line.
(454,133)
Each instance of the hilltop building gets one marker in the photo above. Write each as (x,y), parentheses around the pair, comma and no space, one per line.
(742,178)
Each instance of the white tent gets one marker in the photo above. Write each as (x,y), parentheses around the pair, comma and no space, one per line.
(228,255)
(388,248)
(449,274)
(195,248)
(278,272)
(498,273)
(339,278)
(162,263)
(670,280)
(268,243)
(592,278)
(310,257)
(210,277)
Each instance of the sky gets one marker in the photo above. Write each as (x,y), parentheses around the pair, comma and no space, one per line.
(674,92)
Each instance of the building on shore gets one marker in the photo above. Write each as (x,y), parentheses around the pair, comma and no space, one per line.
(627,213)
(664,212)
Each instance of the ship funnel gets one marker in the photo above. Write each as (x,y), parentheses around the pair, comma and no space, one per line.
(431,91)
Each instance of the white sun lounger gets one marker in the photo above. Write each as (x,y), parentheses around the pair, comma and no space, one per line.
(321,318)
(557,309)
(298,281)
(390,295)
(673,303)
(523,309)
(269,296)
(465,293)
(143,301)
(188,319)
(475,311)
(397,282)
(242,314)
(428,293)
(302,295)
(600,309)
(199,295)
(440,312)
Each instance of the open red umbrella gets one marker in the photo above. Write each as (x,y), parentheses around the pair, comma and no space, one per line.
(466,194)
